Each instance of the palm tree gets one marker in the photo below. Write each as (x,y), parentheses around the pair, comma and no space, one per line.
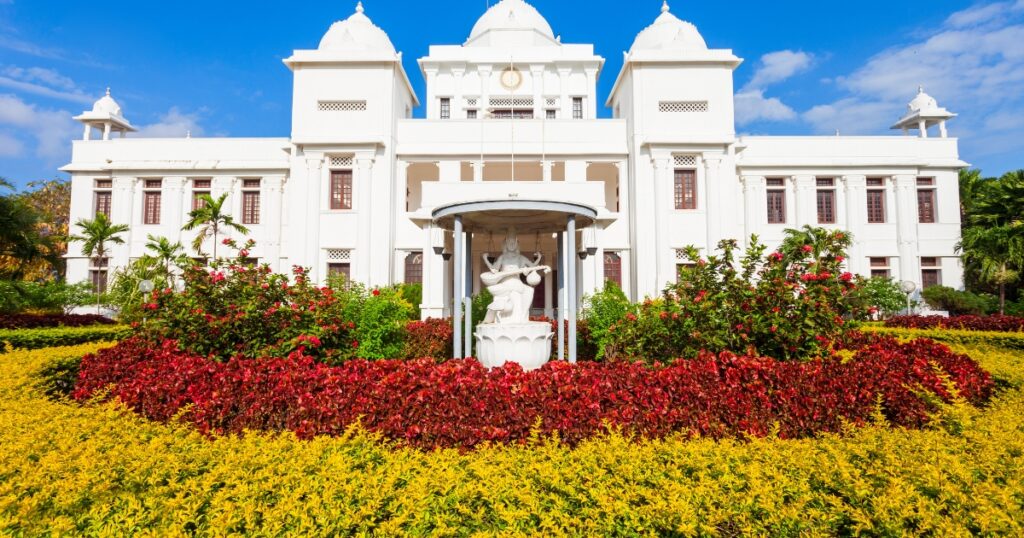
(210,218)
(96,234)
(165,252)
(972,188)
(997,252)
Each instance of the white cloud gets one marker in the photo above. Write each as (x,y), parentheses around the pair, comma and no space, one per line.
(10,146)
(973,64)
(52,129)
(778,66)
(752,105)
(173,124)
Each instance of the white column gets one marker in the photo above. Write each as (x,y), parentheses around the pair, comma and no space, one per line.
(457,108)
(87,133)
(458,289)
(478,171)
(806,207)
(123,201)
(942,129)
(485,89)
(575,171)
(922,126)
(663,203)
(173,194)
(273,193)
(314,187)
(570,271)
(713,188)
(753,202)
(590,112)
(856,217)
(537,77)
(106,131)
(433,274)
(906,226)
(432,106)
(563,87)
(549,310)
(546,170)
(363,181)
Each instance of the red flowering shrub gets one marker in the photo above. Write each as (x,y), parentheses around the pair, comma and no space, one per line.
(431,339)
(37,321)
(459,403)
(790,305)
(233,309)
(968,323)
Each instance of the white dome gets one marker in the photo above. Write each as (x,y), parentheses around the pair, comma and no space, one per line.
(356,33)
(922,101)
(669,32)
(512,15)
(107,105)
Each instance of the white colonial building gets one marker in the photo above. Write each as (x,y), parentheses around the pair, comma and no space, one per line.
(511,115)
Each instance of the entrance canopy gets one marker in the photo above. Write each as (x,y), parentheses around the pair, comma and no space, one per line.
(526,216)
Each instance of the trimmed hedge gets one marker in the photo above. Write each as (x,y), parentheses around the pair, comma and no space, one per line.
(38,321)
(1010,340)
(994,323)
(61,336)
(459,403)
(98,469)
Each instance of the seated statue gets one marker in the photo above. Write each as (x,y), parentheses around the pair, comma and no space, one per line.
(512,296)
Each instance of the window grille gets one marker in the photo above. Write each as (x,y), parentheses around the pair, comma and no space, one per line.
(471,102)
(201,183)
(685,189)
(517,102)
(577,108)
(102,203)
(682,106)
(341,106)
(685,160)
(826,206)
(613,268)
(446,108)
(776,206)
(876,206)
(341,189)
(414,268)
(550,101)
(339,254)
(681,254)
(104,183)
(926,206)
(343,160)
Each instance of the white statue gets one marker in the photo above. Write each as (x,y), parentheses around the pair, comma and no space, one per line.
(512,297)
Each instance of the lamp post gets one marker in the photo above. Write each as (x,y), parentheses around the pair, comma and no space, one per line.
(145,286)
(908,287)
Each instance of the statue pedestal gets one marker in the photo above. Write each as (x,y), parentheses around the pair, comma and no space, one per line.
(528,344)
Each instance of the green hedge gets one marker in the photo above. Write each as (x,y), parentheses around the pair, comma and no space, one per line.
(60,336)
(1008,340)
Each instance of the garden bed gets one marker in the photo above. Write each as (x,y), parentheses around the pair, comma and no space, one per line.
(995,323)
(38,321)
(459,403)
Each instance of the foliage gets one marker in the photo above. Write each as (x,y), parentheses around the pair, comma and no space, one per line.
(1008,340)
(603,310)
(970,323)
(95,469)
(431,338)
(37,321)
(992,235)
(413,294)
(790,304)
(996,251)
(211,219)
(232,309)
(956,302)
(48,297)
(459,403)
(879,295)
(60,336)
(123,291)
(35,228)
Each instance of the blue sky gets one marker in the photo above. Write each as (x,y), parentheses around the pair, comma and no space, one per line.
(214,67)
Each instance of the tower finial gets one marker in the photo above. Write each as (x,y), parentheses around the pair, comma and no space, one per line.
(108,91)
(359,7)
(664,6)
(920,88)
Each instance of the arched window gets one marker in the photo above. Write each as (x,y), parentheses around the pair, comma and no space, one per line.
(613,268)
(414,268)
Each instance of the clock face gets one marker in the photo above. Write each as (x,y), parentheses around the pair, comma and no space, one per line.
(511,78)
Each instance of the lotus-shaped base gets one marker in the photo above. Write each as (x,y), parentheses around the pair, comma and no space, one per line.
(528,344)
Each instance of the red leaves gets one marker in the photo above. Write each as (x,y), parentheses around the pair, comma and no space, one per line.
(36,321)
(970,323)
(459,403)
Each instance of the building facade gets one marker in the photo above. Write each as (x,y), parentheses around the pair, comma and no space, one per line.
(512,114)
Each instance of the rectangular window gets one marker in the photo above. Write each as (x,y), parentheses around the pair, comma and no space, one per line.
(518,113)
(550,114)
(826,200)
(925,201)
(776,206)
(104,183)
(879,267)
(931,275)
(414,268)
(341,189)
(339,269)
(686,189)
(251,207)
(102,203)
(98,278)
(471,114)
(200,187)
(876,206)
(446,108)
(577,108)
(613,268)
(151,202)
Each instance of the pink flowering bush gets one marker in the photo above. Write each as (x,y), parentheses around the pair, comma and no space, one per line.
(790,304)
(233,309)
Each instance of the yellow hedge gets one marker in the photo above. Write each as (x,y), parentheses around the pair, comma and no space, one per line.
(101,470)
(1012,340)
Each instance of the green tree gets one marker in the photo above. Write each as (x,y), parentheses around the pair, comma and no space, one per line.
(997,252)
(992,241)
(165,253)
(210,219)
(22,246)
(96,234)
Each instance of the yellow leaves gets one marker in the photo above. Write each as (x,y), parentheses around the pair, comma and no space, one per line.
(99,469)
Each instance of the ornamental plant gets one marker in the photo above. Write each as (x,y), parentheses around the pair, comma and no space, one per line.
(235,309)
(790,304)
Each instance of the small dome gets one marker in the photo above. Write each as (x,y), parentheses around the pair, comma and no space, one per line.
(669,32)
(511,15)
(922,101)
(107,105)
(356,33)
